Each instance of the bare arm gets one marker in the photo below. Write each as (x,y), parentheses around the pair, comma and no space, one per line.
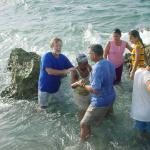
(90,89)
(56,72)
(148,85)
(129,47)
(90,68)
(74,79)
(137,57)
(87,87)
(106,50)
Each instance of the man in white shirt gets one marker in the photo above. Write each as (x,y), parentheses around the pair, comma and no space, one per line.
(140,110)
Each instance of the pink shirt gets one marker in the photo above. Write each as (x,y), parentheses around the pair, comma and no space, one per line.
(115,54)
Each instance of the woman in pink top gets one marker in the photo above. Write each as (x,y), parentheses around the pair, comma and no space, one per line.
(114,52)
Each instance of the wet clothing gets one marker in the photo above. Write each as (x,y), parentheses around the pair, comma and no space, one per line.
(115,55)
(102,78)
(81,96)
(51,83)
(138,46)
(140,109)
(80,90)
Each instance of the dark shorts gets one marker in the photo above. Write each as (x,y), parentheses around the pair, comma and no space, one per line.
(142,126)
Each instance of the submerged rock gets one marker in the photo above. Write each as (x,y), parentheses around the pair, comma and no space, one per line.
(24,68)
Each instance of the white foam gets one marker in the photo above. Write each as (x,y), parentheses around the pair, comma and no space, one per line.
(4,107)
(92,36)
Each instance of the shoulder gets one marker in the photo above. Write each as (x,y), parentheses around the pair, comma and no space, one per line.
(47,54)
(147,76)
(98,66)
(138,46)
(74,73)
(108,63)
(139,71)
(108,44)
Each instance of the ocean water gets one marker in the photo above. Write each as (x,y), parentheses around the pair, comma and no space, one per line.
(30,24)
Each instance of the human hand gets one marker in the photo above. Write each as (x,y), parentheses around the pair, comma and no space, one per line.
(81,82)
(132,75)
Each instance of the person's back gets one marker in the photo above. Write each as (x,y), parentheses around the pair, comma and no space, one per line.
(140,96)
(104,71)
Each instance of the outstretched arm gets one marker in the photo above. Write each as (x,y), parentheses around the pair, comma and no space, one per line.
(137,57)
(51,71)
(90,89)
(74,79)
(129,47)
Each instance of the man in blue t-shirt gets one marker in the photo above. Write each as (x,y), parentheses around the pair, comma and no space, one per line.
(53,67)
(101,89)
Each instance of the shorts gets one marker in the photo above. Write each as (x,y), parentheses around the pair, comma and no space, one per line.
(82,101)
(142,126)
(94,115)
(44,97)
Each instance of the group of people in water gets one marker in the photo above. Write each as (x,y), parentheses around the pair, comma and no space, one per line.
(93,87)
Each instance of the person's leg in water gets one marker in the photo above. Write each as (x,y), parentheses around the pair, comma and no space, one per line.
(93,115)
(110,111)
(42,100)
(118,75)
(142,129)
(82,102)
(85,127)
(81,114)
(85,131)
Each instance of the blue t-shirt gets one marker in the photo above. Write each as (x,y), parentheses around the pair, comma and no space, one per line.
(102,78)
(51,83)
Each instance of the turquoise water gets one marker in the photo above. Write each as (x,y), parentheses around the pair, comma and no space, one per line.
(30,24)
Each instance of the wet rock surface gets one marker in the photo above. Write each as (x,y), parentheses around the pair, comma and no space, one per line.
(24,67)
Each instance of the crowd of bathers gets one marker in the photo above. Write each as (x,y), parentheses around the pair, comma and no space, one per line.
(93,86)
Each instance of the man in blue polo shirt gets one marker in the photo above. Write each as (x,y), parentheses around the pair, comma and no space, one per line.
(53,67)
(101,89)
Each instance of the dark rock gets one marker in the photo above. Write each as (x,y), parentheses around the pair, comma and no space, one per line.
(24,68)
(127,60)
(147,51)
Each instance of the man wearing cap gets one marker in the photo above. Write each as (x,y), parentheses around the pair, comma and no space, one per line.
(101,89)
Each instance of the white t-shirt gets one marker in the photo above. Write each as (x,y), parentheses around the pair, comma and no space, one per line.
(140,109)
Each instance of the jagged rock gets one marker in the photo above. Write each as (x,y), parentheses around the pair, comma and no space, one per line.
(127,60)
(24,68)
(147,51)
